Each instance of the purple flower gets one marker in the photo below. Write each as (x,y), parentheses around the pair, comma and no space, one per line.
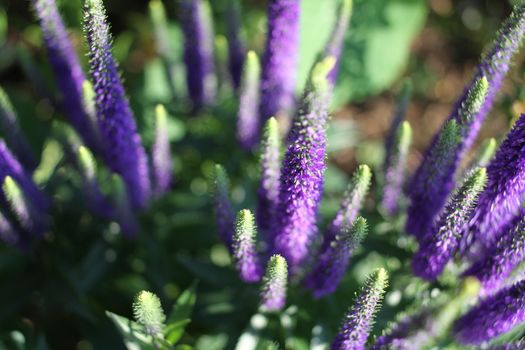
(274,284)
(395,170)
(302,173)
(498,264)
(236,45)
(198,52)
(14,137)
(502,199)
(358,321)
(280,60)
(439,246)
(353,199)
(268,192)
(434,179)
(331,264)
(162,163)
(24,200)
(335,44)
(223,208)
(123,151)
(247,117)
(67,70)
(492,316)
(244,247)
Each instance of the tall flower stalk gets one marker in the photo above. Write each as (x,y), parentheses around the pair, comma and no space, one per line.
(438,247)
(244,247)
(279,72)
(198,52)
(434,179)
(123,150)
(161,158)
(335,45)
(247,117)
(502,199)
(274,284)
(492,316)
(358,321)
(67,70)
(302,173)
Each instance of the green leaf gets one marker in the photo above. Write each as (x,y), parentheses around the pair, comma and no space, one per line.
(377,46)
(132,333)
(180,315)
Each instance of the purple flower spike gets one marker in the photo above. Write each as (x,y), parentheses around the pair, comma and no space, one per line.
(498,264)
(244,247)
(439,246)
(268,192)
(274,284)
(247,118)
(280,61)
(14,137)
(434,179)
(9,166)
(332,263)
(395,170)
(198,52)
(124,214)
(302,173)
(223,207)
(402,102)
(27,215)
(502,199)
(123,151)
(492,316)
(358,321)
(350,206)
(162,163)
(236,44)
(67,70)
(335,45)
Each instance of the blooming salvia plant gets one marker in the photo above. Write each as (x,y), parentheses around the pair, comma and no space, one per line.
(122,148)
(244,247)
(68,72)
(274,284)
(279,70)
(198,52)
(438,247)
(359,320)
(248,117)
(434,179)
(492,316)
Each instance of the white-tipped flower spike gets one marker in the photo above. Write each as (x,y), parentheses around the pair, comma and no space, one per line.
(12,134)
(248,117)
(122,145)
(330,265)
(274,284)
(244,247)
(224,215)
(148,312)
(268,192)
(395,173)
(358,321)
(434,180)
(161,160)
(26,214)
(350,206)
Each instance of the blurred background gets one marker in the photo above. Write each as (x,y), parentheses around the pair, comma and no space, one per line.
(55,296)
